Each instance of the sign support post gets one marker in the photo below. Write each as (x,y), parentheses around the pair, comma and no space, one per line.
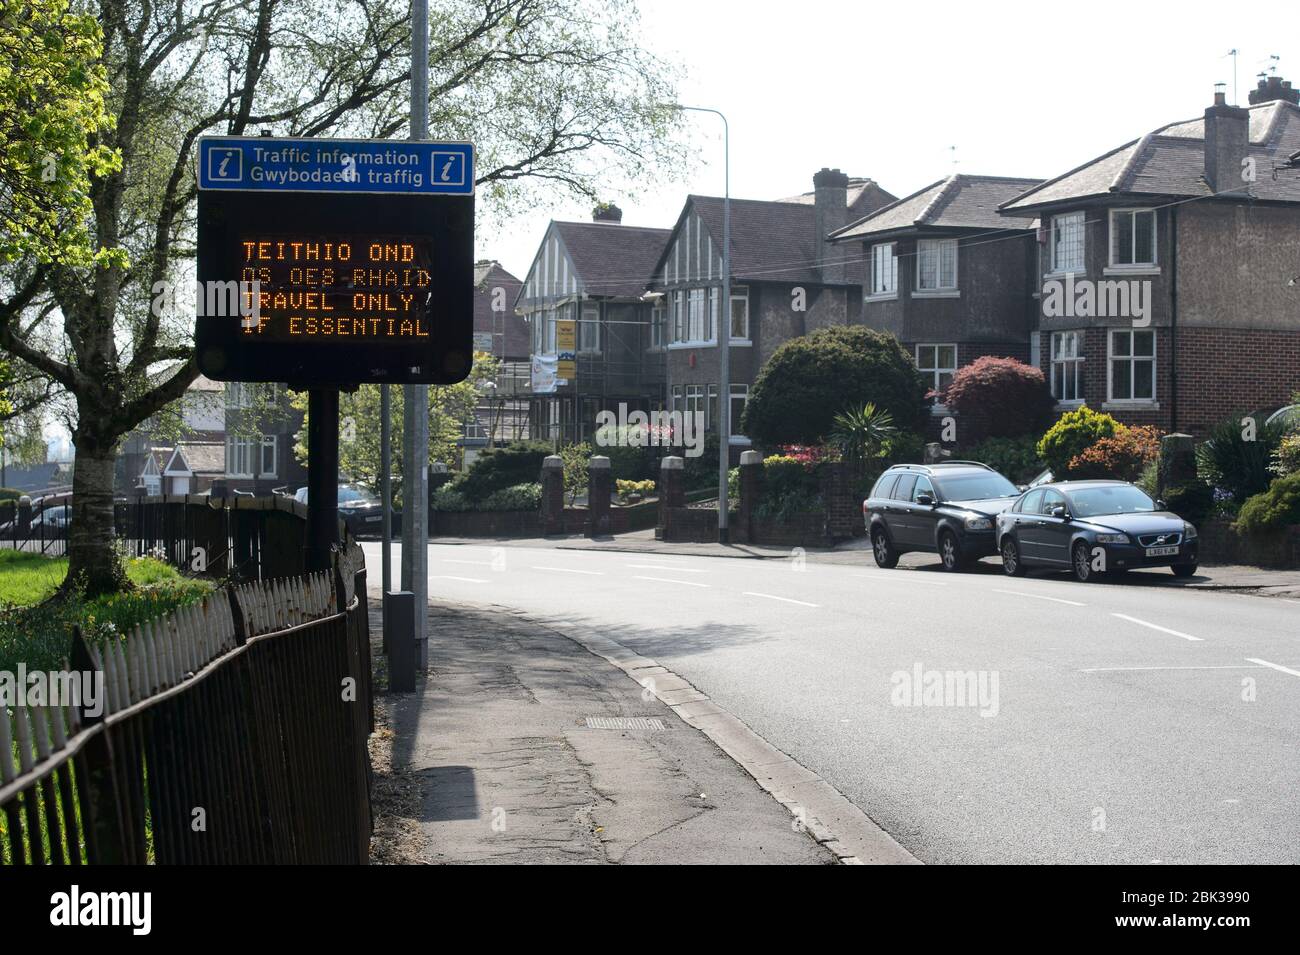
(322,476)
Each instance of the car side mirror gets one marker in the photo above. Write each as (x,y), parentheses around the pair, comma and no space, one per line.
(1161,505)
(1061,511)
(925,500)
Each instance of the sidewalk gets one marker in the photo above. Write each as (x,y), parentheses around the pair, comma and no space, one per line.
(520,746)
(1235,577)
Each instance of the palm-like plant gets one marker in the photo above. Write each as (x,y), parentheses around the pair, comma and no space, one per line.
(861,433)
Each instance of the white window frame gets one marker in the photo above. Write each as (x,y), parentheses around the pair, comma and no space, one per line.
(884,271)
(739,293)
(269,442)
(739,391)
(695,399)
(936,247)
(589,329)
(1072,366)
(1114,239)
(658,324)
(1056,239)
(935,370)
(1132,360)
(697,303)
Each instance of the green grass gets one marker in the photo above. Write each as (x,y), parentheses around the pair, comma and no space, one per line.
(39,633)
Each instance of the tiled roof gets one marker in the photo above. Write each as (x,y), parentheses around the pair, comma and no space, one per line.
(489,276)
(203,457)
(959,202)
(1170,161)
(612,260)
(864,196)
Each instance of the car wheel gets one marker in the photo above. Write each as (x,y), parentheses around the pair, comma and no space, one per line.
(1081,563)
(883,550)
(950,552)
(1183,570)
(1011,565)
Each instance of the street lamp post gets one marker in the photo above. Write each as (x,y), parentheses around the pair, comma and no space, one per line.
(724,329)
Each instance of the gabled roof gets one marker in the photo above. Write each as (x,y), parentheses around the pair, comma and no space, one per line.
(612,260)
(197,457)
(959,202)
(1170,161)
(489,276)
(156,460)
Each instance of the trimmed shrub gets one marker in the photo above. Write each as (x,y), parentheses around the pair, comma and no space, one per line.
(810,379)
(1124,455)
(1072,434)
(1274,509)
(10,494)
(625,488)
(790,486)
(1010,397)
(1241,467)
(448,498)
(702,471)
(519,462)
(1017,458)
(521,497)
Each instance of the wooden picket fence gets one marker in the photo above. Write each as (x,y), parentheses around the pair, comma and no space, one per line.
(232,731)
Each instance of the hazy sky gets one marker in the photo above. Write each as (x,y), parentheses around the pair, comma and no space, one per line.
(884,90)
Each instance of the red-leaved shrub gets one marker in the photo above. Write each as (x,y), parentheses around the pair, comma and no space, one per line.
(1010,397)
(1122,456)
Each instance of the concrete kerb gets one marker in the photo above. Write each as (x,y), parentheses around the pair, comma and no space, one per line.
(829,818)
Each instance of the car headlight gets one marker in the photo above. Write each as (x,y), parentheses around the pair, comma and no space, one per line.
(1189,532)
(1112,538)
(977,523)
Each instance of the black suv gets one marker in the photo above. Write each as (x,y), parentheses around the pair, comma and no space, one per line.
(946,509)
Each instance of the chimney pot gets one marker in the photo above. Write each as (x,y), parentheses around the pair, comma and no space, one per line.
(607,212)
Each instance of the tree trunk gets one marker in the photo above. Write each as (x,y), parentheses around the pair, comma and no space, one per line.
(92,555)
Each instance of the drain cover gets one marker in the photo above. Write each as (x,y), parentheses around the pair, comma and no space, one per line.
(624,723)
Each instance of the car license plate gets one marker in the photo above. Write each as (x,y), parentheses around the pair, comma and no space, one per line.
(379,517)
(1161,551)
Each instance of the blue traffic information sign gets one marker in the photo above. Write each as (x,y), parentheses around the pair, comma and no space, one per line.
(393,167)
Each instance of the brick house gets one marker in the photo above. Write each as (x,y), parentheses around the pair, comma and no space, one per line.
(1166,269)
(501,332)
(948,275)
(787,280)
(593,273)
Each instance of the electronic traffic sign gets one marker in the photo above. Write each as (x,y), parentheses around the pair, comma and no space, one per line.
(335,262)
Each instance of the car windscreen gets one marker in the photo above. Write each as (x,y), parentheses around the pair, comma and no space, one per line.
(352,495)
(976,486)
(1108,499)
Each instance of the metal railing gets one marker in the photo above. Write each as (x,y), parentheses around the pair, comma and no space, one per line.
(233,731)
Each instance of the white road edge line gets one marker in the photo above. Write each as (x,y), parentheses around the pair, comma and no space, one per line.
(1021,593)
(478,563)
(1274,666)
(901,579)
(789,600)
(676,570)
(665,580)
(1154,626)
(570,570)
(468,580)
(1233,666)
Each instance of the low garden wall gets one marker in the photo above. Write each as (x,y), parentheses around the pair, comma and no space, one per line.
(1222,543)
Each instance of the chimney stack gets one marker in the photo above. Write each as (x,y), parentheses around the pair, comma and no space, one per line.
(1272,88)
(1227,134)
(607,212)
(830,212)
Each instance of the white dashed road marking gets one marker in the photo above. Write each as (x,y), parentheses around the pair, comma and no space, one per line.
(789,600)
(665,580)
(1274,666)
(1019,593)
(1155,626)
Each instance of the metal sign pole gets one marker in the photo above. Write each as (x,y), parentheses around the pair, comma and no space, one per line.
(322,476)
(386,492)
(415,463)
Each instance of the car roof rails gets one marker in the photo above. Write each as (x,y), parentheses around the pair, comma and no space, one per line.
(974,464)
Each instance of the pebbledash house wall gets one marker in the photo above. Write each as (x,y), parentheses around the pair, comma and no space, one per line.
(1237,330)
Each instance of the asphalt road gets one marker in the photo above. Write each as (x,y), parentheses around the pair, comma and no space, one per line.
(1119,723)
